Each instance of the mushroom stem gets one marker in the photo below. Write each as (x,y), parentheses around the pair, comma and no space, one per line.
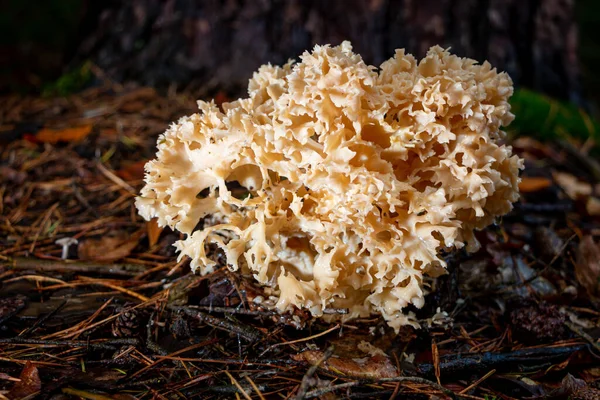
(66,244)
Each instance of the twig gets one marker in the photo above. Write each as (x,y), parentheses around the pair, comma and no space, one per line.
(116,287)
(36,278)
(300,340)
(233,310)
(306,380)
(592,165)
(101,344)
(460,362)
(244,331)
(400,379)
(85,395)
(189,348)
(320,392)
(256,389)
(584,335)
(477,382)
(83,200)
(237,385)
(115,179)
(23,263)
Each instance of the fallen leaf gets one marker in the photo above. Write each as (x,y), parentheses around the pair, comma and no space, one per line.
(153,231)
(593,206)
(591,374)
(530,184)
(133,106)
(568,387)
(587,267)
(108,248)
(436,361)
(375,367)
(573,187)
(75,134)
(29,385)
(10,306)
(132,172)
(143,93)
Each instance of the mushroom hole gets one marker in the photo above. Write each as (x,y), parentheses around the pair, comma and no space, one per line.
(308,206)
(204,193)
(297,256)
(194,146)
(384,236)
(404,282)
(439,149)
(439,237)
(244,181)
(376,134)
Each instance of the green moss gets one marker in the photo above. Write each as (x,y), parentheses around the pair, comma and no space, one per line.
(546,118)
(70,82)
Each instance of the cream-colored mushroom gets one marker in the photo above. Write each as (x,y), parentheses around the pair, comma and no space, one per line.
(66,243)
(336,184)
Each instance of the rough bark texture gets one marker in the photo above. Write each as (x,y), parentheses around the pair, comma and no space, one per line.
(218,44)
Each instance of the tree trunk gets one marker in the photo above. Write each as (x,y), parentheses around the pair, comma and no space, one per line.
(218,44)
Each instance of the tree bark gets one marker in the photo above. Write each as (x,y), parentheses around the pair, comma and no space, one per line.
(214,44)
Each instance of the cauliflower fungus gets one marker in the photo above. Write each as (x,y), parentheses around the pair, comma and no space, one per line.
(336,184)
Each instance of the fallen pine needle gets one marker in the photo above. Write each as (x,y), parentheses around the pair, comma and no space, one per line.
(115,179)
(117,288)
(477,382)
(37,278)
(238,386)
(301,340)
(256,389)
(85,395)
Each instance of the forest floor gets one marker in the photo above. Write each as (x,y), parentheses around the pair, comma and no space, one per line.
(114,315)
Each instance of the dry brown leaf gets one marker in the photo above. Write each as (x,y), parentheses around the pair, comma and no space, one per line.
(153,231)
(143,93)
(108,248)
(436,361)
(133,106)
(29,385)
(375,367)
(572,186)
(75,134)
(530,184)
(593,206)
(587,268)
(133,171)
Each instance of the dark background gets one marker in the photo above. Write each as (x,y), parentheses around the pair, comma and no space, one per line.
(215,45)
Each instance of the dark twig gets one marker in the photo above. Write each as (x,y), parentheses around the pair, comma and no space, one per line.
(109,344)
(23,263)
(459,363)
(233,310)
(307,379)
(399,379)
(244,331)
(579,332)
(42,320)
